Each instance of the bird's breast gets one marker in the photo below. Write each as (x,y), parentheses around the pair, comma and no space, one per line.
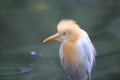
(69,52)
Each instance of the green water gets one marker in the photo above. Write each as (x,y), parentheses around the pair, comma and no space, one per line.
(25,23)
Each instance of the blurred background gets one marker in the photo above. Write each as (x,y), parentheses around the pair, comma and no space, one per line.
(25,23)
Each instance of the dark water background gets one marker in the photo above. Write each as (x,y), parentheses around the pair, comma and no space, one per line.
(25,23)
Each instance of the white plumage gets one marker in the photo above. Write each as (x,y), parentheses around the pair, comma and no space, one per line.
(77,52)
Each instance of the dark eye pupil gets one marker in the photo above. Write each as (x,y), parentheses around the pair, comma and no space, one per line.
(64,33)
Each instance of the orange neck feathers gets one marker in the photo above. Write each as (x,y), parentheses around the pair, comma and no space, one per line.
(68,49)
(69,43)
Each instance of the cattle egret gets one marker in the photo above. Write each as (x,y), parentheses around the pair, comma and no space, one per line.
(77,53)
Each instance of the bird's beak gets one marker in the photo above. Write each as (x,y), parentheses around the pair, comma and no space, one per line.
(53,37)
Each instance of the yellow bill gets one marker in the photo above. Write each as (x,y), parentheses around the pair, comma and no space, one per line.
(53,37)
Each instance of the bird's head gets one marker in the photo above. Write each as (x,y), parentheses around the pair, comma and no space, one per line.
(67,30)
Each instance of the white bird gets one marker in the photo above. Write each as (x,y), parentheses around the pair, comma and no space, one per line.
(77,52)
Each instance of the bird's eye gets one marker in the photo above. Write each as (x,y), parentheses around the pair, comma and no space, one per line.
(64,33)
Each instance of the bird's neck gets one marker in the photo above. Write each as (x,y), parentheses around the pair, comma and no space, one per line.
(69,51)
(69,47)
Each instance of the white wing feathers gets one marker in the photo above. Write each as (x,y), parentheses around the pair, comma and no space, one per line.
(87,47)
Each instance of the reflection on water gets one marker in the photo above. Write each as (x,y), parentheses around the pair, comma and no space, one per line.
(4,71)
(24,23)
(14,67)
